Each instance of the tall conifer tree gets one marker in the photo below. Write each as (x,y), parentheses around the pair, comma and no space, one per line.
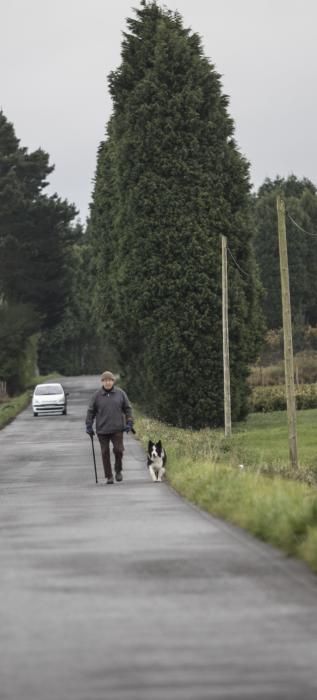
(170,180)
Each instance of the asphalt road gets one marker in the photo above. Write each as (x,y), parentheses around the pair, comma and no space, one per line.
(126,592)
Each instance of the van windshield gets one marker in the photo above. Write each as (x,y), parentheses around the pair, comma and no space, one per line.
(49,389)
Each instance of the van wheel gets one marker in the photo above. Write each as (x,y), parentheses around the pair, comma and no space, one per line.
(35,414)
(65,412)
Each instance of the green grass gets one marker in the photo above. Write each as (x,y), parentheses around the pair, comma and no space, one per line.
(10,408)
(262,442)
(259,443)
(204,467)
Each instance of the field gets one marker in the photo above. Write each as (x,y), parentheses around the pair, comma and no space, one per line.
(262,441)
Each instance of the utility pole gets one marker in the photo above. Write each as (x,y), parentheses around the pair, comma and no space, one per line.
(225,335)
(287,329)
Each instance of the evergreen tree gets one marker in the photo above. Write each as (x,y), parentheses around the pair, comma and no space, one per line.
(170,180)
(36,237)
(301,205)
(18,323)
(35,230)
(74,345)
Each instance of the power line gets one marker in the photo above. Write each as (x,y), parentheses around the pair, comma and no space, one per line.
(237,264)
(265,288)
(313,235)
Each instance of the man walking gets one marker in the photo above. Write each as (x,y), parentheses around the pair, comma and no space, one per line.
(112,410)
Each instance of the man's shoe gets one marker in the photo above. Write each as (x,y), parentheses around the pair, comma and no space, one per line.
(118,476)
(109,481)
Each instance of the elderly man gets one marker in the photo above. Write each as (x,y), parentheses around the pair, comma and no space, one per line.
(112,410)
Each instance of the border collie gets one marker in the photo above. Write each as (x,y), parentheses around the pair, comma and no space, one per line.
(156,460)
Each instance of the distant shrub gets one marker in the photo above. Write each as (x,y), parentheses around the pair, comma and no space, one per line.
(310,338)
(272,348)
(267,376)
(306,367)
(273,398)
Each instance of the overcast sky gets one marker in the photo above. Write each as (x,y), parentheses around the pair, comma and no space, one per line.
(55,57)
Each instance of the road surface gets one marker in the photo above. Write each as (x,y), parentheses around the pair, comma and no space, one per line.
(126,592)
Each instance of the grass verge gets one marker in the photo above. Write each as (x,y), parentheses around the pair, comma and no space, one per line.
(10,408)
(202,467)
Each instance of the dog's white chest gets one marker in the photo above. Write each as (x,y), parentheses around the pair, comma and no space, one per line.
(157,462)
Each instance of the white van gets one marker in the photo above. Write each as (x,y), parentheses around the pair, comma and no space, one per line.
(49,399)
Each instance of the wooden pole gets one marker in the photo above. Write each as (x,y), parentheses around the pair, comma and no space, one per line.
(225,335)
(287,328)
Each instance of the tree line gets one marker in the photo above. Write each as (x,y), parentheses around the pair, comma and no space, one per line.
(140,286)
(45,318)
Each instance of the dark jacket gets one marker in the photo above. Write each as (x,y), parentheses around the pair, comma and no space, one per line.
(111,409)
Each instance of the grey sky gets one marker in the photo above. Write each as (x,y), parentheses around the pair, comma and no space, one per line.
(55,57)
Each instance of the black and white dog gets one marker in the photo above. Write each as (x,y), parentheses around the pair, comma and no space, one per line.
(156,460)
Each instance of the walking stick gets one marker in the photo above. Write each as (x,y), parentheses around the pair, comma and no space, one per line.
(93,454)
